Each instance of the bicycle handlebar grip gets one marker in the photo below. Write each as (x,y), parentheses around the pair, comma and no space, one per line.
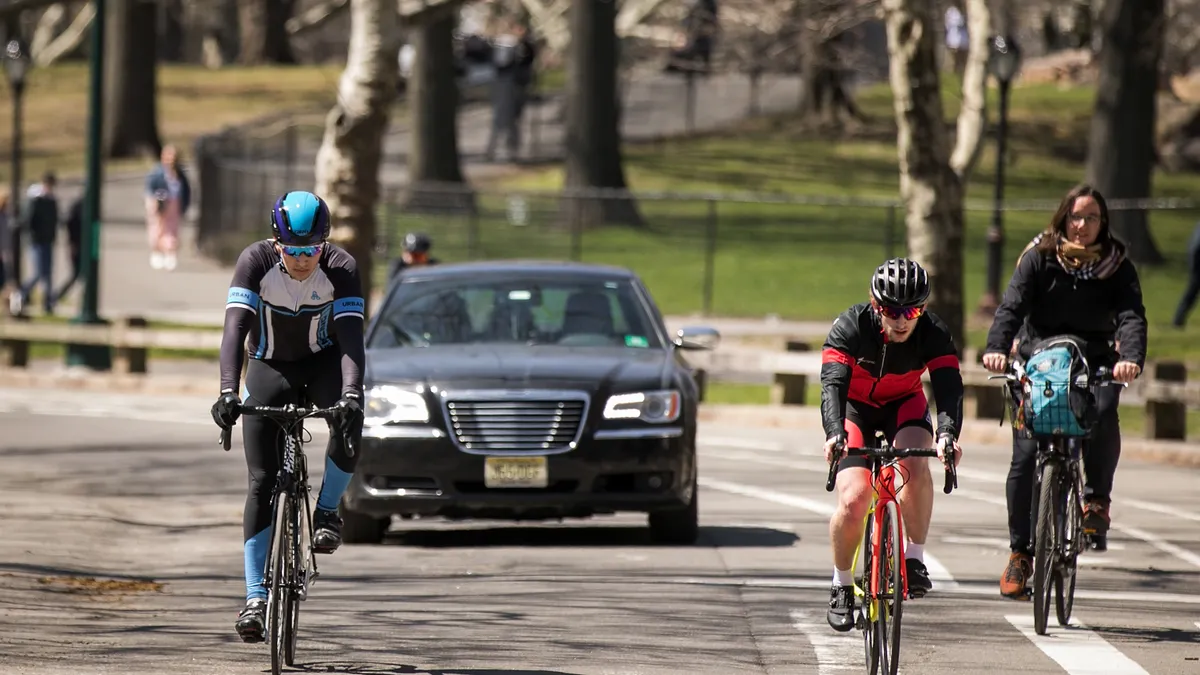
(951,479)
(226,438)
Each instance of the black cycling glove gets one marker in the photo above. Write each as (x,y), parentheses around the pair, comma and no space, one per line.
(349,413)
(226,410)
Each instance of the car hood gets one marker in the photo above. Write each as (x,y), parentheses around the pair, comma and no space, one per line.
(521,366)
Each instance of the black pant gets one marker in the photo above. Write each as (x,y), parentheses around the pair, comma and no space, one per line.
(1100,456)
(277,383)
(1190,293)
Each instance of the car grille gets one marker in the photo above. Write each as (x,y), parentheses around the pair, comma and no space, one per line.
(534,426)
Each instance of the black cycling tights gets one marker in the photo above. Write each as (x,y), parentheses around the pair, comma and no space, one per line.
(1100,458)
(277,383)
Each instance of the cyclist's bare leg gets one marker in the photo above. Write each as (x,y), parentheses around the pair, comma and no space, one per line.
(846,525)
(916,503)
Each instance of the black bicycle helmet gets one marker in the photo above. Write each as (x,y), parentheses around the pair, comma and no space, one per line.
(417,242)
(900,282)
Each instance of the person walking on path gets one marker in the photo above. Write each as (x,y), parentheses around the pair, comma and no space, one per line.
(168,195)
(1193,287)
(40,219)
(74,245)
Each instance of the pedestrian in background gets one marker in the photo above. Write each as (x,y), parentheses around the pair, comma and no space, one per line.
(1193,288)
(40,219)
(168,195)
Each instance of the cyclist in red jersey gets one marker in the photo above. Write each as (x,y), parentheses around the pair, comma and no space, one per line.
(871,370)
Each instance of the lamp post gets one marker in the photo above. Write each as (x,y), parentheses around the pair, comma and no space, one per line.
(1004,62)
(16,67)
(95,357)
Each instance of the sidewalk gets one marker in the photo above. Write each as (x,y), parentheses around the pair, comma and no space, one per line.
(195,292)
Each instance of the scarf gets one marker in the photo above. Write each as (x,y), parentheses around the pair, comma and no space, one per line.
(1086,262)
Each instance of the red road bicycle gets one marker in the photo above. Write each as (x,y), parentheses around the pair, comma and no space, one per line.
(881,584)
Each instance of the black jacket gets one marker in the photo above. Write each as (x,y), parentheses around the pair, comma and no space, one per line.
(857,363)
(1044,300)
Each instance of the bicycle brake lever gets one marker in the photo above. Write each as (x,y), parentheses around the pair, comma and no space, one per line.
(226,438)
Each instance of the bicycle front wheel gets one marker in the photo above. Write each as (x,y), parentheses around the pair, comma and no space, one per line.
(891,584)
(281,575)
(291,614)
(868,605)
(1046,546)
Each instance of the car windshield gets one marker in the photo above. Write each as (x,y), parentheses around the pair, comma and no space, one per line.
(577,312)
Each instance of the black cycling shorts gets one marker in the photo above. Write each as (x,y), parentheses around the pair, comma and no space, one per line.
(863,420)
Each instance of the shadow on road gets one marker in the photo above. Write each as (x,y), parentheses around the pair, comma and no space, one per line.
(716,536)
(330,667)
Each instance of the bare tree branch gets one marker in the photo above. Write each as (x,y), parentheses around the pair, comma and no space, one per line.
(47,27)
(972,116)
(69,40)
(316,16)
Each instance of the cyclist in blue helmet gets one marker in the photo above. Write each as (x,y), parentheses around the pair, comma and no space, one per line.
(298,298)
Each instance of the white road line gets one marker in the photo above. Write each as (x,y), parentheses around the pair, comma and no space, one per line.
(836,652)
(743,443)
(1077,650)
(986,591)
(1002,545)
(938,573)
(1134,532)
(1160,508)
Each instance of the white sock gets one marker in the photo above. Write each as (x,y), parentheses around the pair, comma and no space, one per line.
(843,577)
(915,551)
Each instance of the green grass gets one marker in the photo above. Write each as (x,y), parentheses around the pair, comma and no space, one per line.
(806,261)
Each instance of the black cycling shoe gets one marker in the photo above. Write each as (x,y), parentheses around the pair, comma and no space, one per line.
(327,531)
(918,578)
(841,608)
(251,623)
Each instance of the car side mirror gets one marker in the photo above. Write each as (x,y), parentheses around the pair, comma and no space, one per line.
(697,337)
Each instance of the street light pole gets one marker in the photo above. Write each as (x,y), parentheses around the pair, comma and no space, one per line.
(96,357)
(1004,62)
(16,66)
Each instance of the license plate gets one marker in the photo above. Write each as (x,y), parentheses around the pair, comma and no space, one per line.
(515,472)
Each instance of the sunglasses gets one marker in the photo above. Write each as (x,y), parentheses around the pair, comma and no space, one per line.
(897,313)
(297,251)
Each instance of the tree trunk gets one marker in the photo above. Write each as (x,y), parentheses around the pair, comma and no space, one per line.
(433,96)
(264,36)
(347,167)
(1121,148)
(130,74)
(593,152)
(932,175)
(171,31)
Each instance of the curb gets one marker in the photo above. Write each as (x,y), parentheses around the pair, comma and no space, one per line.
(989,433)
(807,418)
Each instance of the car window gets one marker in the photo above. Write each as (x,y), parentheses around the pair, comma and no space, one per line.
(547,311)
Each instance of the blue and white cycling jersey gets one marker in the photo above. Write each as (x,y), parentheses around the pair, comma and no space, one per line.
(284,319)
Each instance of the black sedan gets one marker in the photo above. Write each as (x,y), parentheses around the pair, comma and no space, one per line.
(526,390)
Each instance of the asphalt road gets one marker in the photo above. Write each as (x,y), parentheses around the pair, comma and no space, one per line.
(133,491)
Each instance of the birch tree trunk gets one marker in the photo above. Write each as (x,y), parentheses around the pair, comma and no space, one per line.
(933,174)
(347,166)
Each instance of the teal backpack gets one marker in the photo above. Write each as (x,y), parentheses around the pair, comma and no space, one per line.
(1058,400)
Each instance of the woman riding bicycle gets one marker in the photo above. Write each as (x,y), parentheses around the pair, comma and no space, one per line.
(1071,279)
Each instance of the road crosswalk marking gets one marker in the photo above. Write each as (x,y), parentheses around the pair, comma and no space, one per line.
(1076,649)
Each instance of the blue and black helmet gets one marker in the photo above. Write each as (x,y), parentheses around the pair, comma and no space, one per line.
(300,219)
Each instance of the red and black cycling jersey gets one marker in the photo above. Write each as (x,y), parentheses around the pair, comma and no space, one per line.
(857,362)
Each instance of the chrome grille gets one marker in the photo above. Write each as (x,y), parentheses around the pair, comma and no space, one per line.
(524,424)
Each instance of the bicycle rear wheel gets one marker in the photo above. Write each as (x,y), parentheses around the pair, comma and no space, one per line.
(1046,545)
(867,607)
(278,594)
(891,583)
(1073,536)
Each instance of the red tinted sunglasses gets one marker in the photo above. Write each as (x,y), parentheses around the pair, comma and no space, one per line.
(897,313)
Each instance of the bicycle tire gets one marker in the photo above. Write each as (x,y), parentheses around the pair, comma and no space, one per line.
(1064,586)
(1046,544)
(277,592)
(893,608)
(866,623)
(291,614)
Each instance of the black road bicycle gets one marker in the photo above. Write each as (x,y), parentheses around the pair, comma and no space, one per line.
(1057,514)
(291,566)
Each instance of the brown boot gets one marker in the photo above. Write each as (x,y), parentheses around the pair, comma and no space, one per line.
(1016,576)
(1095,516)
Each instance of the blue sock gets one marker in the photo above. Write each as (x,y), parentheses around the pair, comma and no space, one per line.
(256,563)
(332,486)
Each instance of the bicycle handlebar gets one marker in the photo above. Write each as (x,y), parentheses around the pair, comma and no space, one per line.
(894,453)
(287,413)
(1102,377)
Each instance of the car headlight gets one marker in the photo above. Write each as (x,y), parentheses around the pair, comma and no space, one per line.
(648,406)
(388,404)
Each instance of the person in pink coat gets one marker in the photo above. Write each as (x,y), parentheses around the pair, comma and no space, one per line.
(168,195)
